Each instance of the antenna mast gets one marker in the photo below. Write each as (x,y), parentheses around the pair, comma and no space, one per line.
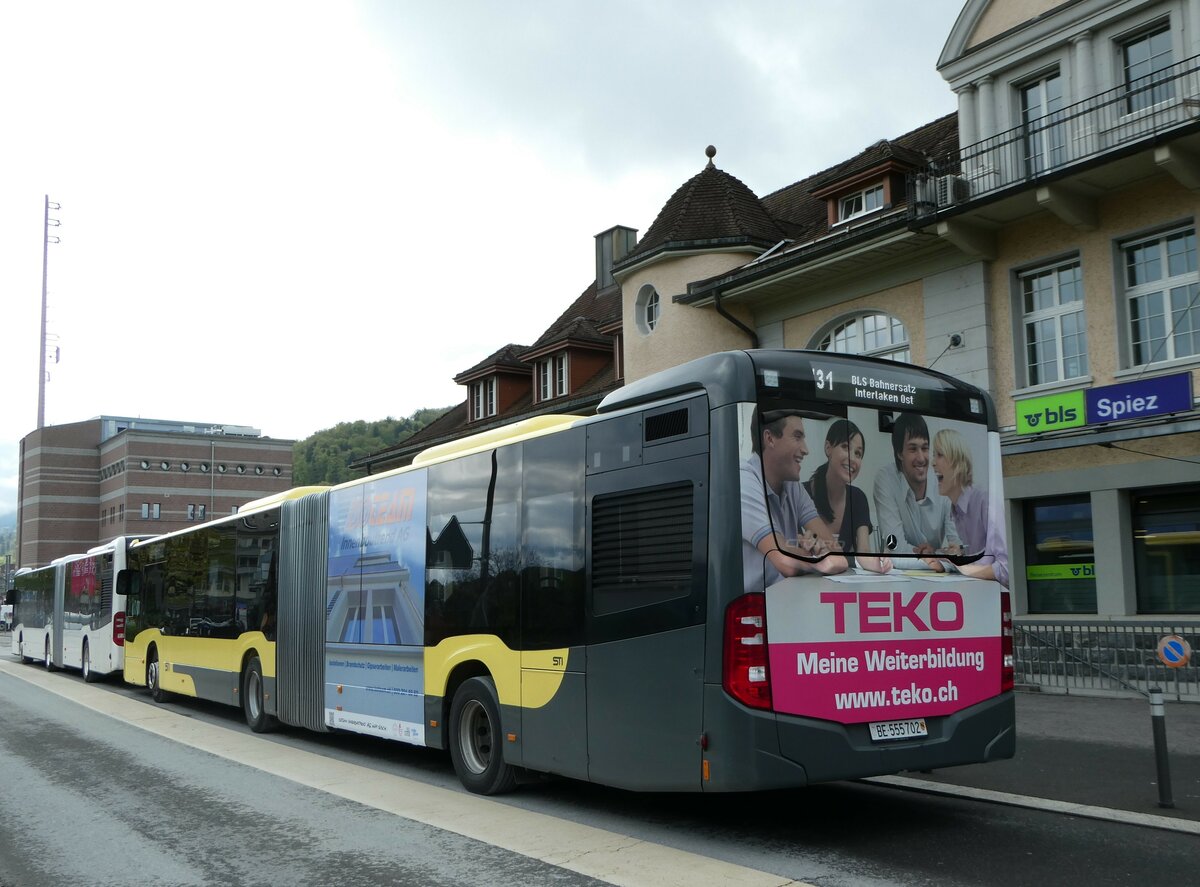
(47,239)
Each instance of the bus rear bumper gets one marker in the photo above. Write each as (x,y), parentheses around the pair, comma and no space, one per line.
(786,751)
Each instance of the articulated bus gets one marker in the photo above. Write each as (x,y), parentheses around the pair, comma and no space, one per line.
(645,598)
(70,615)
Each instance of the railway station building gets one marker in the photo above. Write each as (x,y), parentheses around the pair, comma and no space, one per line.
(1039,242)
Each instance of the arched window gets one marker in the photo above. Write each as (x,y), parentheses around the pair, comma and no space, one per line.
(647,309)
(875,334)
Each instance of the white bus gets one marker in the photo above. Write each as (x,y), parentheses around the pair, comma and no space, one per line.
(69,614)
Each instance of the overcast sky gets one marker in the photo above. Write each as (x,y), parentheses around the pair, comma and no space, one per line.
(289,215)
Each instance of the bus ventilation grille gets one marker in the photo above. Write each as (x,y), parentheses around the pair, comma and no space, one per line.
(642,547)
(664,425)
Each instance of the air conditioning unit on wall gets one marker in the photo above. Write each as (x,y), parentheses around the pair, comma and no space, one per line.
(952,190)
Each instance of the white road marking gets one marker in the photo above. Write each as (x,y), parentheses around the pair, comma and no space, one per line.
(1126,817)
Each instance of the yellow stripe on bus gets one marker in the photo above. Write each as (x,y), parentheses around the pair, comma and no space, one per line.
(543,669)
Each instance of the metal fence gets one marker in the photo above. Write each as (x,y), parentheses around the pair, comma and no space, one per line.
(1046,146)
(1118,657)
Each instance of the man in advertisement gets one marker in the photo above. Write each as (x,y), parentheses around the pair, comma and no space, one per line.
(912,514)
(778,515)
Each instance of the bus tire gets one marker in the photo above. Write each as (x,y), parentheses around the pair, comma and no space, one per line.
(49,659)
(254,699)
(89,674)
(476,739)
(21,646)
(157,693)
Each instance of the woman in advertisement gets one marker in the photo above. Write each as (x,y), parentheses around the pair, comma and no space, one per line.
(977,526)
(842,505)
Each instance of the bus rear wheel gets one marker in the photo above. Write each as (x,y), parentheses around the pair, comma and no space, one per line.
(254,697)
(48,660)
(86,667)
(157,693)
(475,739)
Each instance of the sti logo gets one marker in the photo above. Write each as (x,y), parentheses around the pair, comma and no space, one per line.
(1051,413)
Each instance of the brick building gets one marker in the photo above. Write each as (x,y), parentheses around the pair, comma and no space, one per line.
(84,483)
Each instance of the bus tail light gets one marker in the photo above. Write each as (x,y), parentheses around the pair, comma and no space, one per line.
(745,673)
(1007,661)
(119,629)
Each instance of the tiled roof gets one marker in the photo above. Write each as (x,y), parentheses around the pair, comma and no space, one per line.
(711,207)
(581,321)
(508,357)
(805,217)
(453,424)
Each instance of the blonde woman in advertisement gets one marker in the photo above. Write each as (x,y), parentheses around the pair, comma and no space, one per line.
(979,529)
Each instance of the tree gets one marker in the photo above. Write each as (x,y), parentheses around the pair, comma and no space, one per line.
(325,457)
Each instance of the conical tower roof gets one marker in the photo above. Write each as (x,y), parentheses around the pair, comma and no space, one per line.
(711,209)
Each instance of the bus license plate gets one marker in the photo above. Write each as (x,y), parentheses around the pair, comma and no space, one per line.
(884,730)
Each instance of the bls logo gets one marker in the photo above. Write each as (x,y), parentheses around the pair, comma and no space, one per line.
(1083,571)
(1057,416)
(1051,413)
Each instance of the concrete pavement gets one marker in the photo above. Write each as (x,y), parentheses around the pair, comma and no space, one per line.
(1090,751)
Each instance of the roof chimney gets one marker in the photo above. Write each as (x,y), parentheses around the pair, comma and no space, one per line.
(612,246)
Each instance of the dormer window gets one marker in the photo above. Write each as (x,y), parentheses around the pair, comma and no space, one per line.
(552,378)
(483,398)
(860,203)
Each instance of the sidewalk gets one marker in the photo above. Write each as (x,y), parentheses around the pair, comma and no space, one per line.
(1097,751)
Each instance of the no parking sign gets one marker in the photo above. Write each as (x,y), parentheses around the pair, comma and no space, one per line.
(1174,651)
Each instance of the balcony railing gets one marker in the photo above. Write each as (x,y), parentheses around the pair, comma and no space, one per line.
(1049,146)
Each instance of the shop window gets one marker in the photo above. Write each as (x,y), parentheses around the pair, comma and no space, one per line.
(1060,562)
(1166,549)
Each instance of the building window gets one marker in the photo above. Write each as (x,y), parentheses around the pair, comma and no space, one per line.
(145,511)
(1163,296)
(1166,550)
(543,380)
(191,512)
(1045,139)
(155,511)
(647,309)
(1145,59)
(483,398)
(1053,324)
(1060,561)
(201,512)
(877,335)
(860,203)
(560,375)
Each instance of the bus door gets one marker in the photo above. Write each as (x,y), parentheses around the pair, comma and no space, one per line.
(647,498)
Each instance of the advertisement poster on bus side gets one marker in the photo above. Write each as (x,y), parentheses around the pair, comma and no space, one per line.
(375,605)
(892,649)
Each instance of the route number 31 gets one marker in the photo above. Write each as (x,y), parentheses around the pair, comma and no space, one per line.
(824,378)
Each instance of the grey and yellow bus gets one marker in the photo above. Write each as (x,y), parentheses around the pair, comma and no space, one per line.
(647,598)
